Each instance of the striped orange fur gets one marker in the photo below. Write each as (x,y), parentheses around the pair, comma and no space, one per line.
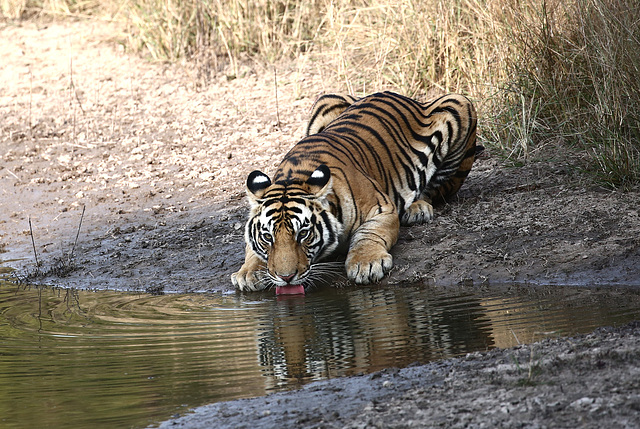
(365,167)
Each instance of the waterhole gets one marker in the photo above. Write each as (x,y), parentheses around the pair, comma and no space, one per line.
(107,359)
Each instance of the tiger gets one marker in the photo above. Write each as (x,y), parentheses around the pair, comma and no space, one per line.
(364,167)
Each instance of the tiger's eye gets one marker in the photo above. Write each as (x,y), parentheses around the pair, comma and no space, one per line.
(304,233)
(267,237)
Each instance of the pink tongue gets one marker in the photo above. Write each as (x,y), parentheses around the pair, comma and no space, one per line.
(290,290)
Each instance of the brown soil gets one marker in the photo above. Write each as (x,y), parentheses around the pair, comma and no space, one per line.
(156,159)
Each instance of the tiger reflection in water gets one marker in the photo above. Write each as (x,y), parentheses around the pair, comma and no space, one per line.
(351,331)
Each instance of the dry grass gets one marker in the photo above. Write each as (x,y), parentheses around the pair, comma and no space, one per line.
(551,72)
(575,68)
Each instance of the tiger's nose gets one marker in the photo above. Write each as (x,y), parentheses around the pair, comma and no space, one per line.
(287,278)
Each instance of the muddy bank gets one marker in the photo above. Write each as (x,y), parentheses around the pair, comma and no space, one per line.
(523,225)
(590,381)
(508,225)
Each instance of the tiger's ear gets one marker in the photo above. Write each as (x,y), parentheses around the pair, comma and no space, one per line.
(320,183)
(257,183)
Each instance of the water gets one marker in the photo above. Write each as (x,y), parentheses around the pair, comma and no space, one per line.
(107,359)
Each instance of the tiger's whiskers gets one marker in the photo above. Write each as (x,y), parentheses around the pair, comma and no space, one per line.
(264,279)
(324,273)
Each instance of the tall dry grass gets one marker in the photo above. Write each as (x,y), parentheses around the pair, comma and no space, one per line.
(544,73)
(574,78)
(413,45)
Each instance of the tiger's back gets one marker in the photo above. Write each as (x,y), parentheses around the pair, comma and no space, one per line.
(415,151)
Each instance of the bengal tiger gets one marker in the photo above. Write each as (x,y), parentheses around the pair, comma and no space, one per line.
(364,167)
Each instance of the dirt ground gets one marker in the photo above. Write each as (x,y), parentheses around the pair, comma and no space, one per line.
(129,175)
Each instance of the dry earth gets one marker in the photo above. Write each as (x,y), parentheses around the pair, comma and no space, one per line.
(131,174)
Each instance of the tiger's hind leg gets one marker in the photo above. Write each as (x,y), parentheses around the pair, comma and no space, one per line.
(420,211)
(453,183)
(457,163)
(327,108)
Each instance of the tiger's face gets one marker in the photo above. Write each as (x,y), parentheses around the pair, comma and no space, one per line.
(291,227)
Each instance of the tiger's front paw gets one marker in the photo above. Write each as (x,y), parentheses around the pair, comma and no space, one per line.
(420,211)
(364,267)
(247,280)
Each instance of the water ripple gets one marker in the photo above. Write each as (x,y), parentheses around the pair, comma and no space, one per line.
(110,359)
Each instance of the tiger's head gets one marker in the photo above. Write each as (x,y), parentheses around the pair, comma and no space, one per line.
(291,226)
